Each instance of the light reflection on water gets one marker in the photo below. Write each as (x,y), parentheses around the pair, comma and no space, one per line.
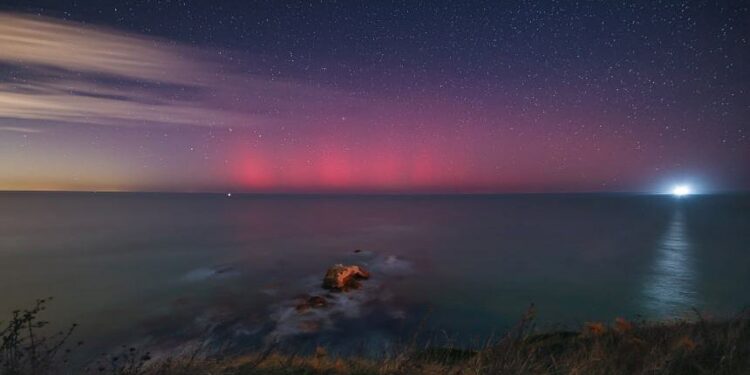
(670,288)
(166,266)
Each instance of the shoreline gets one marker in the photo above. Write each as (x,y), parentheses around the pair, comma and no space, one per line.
(715,346)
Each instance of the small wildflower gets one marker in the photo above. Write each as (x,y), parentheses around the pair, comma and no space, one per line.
(623,326)
(340,366)
(685,343)
(594,328)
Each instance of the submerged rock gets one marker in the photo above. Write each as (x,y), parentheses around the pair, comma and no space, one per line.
(343,278)
(314,302)
(209,273)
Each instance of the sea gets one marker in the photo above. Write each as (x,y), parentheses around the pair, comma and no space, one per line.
(233,272)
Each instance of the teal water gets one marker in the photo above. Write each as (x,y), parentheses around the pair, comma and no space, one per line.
(175,268)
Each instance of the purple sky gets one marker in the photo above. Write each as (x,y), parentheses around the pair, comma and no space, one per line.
(273,97)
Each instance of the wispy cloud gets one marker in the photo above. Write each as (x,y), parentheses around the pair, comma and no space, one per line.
(76,73)
(74,47)
(16,129)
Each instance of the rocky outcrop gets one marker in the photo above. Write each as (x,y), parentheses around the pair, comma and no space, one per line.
(342,278)
(323,309)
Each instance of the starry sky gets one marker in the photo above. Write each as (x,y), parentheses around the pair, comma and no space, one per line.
(374,96)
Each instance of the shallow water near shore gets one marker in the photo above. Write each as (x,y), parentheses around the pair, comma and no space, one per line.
(178,269)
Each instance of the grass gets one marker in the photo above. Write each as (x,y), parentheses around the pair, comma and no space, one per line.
(24,351)
(699,346)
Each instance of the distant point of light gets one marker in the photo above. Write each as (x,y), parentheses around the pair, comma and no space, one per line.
(229,195)
(681,190)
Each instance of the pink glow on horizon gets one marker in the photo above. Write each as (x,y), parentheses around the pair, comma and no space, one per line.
(353,160)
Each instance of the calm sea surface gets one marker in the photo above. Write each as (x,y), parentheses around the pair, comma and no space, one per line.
(166,269)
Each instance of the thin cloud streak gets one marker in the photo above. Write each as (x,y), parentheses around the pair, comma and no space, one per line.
(75,73)
(15,129)
(47,42)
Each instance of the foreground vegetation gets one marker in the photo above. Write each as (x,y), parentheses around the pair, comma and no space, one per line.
(701,346)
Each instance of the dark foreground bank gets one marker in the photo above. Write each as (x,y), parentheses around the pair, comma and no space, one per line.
(700,346)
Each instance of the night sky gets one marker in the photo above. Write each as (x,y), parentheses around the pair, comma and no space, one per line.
(375,96)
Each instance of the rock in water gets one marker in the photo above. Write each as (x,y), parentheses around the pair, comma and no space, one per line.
(314,302)
(343,278)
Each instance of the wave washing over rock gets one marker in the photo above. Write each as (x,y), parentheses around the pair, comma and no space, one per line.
(365,311)
(206,273)
(342,308)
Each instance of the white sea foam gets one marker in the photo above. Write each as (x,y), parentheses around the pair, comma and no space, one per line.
(355,304)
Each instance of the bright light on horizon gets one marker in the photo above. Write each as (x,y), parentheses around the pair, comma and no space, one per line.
(681,190)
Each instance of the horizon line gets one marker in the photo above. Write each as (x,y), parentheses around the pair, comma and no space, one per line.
(366,193)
